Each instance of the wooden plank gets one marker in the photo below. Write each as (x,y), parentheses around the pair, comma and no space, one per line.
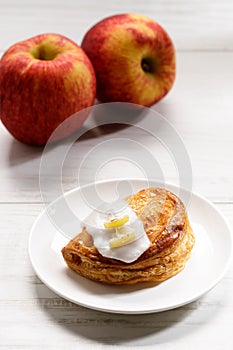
(199,108)
(198,25)
(31,314)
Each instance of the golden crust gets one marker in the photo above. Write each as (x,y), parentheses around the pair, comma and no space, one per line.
(167,226)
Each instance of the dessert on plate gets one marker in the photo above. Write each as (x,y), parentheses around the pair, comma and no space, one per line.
(145,237)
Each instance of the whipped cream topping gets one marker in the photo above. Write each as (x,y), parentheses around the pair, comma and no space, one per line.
(130,237)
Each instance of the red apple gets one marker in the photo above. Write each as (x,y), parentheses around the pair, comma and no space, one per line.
(43,81)
(133,57)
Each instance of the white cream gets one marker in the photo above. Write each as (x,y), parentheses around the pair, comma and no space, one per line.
(102,236)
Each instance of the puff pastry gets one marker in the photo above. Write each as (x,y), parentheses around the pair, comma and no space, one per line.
(171,238)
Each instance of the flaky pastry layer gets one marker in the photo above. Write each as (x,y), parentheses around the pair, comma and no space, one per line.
(166,223)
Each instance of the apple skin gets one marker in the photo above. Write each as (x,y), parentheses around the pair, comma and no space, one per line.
(133,57)
(43,81)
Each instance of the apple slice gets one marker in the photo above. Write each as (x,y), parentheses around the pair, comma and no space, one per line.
(117,222)
(124,235)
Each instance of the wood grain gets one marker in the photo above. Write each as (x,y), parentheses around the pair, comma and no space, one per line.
(34,314)
(200,25)
(199,107)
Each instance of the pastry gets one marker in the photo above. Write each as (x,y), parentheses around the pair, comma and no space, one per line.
(167,242)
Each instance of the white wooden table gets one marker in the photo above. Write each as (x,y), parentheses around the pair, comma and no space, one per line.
(199,107)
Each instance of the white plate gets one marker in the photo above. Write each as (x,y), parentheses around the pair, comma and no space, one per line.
(207,265)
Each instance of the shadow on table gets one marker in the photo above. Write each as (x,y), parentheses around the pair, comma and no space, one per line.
(24,161)
(104,120)
(120,329)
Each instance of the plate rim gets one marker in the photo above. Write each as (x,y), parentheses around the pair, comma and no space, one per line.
(117,310)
